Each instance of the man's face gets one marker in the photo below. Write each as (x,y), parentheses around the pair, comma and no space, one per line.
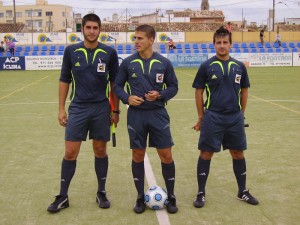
(142,43)
(91,31)
(222,45)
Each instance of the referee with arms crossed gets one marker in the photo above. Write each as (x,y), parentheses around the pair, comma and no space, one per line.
(151,82)
(222,123)
(91,67)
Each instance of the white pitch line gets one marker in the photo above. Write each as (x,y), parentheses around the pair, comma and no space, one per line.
(162,215)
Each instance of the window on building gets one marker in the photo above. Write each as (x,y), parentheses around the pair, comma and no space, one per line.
(19,14)
(63,14)
(29,23)
(28,13)
(40,23)
(63,23)
(49,13)
(1,15)
(37,13)
(9,14)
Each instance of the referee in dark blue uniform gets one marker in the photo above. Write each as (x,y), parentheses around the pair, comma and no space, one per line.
(91,67)
(151,83)
(221,118)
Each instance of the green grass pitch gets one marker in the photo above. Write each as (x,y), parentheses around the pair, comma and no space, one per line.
(32,147)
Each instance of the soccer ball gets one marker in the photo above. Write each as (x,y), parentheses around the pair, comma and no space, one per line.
(156,197)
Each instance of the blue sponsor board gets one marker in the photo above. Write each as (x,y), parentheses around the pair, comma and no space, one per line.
(12,63)
(187,60)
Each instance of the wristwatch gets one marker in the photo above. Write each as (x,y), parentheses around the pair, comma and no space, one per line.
(117,111)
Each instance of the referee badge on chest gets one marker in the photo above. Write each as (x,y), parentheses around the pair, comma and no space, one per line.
(238,78)
(159,78)
(101,67)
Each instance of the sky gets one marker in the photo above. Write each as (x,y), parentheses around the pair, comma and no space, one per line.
(234,10)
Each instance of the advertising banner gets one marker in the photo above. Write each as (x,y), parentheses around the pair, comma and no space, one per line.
(112,37)
(163,37)
(270,59)
(18,38)
(187,60)
(12,63)
(49,38)
(296,59)
(73,38)
(43,62)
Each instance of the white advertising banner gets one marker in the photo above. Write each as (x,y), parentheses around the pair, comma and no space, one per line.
(163,37)
(73,38)
(112,37)
(270,59)
(43,62)
(18,38)
(49,38)
(296,59)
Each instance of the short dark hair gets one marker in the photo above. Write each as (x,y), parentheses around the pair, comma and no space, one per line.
(222,32)
(91,17)
(149,30)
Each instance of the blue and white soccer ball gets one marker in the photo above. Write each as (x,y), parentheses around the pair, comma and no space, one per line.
(156,197)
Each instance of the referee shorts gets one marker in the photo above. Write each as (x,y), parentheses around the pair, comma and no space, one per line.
(155,122)
(222,129)
(92,118)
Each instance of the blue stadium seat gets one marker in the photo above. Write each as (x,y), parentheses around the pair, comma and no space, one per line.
(292,45)
(283,44)
(26,54)
(52,48)
(128,48)
(195,46)
(120,51)
(211,46)
(286,50)
(8,54)
(187,46)
(294,50)
(19,48)
(178,46)
(212,50)
(204,50)
(259,45)
(253,50)
(128,52)
(298,45)
(278,49)
(34,53)
(237,50)
(268,45)
(51,52)
(179,51)
(252,45)
(61,48)
(231,50)
(171,51)
(235,45)
(276,45)
(44,48)
(203,46)
(188,51)
(1,54)
(270,50)
(43,53)
(120,47)
(246,50)
(17,53)
(163,51)
(244,45)
(36,48)
(60,53)
(27,48)
(162,46)
(262,50)
(196,50)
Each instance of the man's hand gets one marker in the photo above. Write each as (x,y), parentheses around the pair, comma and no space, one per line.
(135,100)
(62,118)
(152,96)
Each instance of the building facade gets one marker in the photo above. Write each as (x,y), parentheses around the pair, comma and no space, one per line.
(40,17)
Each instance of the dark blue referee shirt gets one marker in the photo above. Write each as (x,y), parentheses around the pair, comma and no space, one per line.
(222,81)
(144,75)
(90,71)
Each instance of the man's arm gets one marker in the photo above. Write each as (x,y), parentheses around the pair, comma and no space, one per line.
(62,96)
(244,98)
(200,107)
